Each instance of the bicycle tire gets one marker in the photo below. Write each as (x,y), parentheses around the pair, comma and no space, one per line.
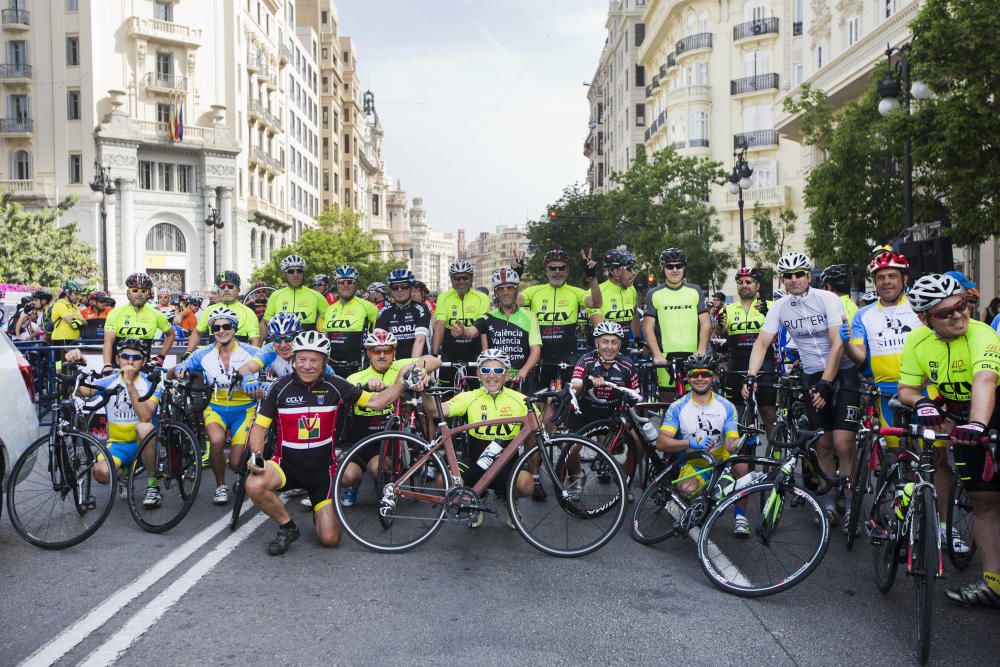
(959,520)
(177,472)
(652,520)
(733,564)
(361,519)
(885,550)
(393,461)
(30,480)
(778,440)
(859,484)
(624,449)
(597,509)
(239,489)
(590,465)
(927,560)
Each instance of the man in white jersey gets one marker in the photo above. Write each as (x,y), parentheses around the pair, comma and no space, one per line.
(812,318)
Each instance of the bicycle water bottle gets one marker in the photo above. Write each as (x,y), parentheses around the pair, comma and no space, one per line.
(650,432)
(747,480)
(902,500)
(489,455)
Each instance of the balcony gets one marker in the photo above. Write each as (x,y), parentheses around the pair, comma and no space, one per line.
(264,159)
(671,61)
(755,139)
(268,211)
(649,91)
(750,85)
(17,73)
(257,111)
(15,19)
(17,186)
(698,143)
(164,83)
(285,53)
(691,43)
(685,94)
(663,70)
(774,196)
(164,31)
(151,128)
(16,127)
(253,60)
(758,28)
(677,145)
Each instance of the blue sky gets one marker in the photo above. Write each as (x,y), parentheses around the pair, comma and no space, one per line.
(482,102)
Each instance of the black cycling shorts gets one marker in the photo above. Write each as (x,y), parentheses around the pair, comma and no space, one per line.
(473,472)
(969,459)
(842,413)
(732,388)
(316,480)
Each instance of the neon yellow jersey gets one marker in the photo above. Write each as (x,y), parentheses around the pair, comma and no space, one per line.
(390,376)
(247,327)
(950,365)
(557,310)
(126,322)
(305,302)
(677,313)
(850,308)
(477,406)
(618,304)
(61,329)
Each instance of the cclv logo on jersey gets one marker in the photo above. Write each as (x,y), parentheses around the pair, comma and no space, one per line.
(294,400)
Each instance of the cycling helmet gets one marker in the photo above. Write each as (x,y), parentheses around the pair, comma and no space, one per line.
(224,314)
(346,272)
(615,258)
(554,256)
(493,354)
(505,276)
(888,260)
(673,255)
(311,341)
(320,279)
(747,272)
(284,323)
(378,287)
(72,286)
(879,249)
(139,280)
(400,276)
(169,313)
(421,285)
(380,338)
(228,277)
(778,294)
(838,275)
(132,344)
(195,300)
(25,300)
(794,261)
(871,296)
(459,267)
(41,294)
(292,262)
(606,328)
(930,290)
(699,360)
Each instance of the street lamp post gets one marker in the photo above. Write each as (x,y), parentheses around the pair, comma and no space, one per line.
(103,184)
(739,180)
(214,222)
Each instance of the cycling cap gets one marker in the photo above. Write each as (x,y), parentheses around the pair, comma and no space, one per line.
(930,290)
(615,258)
(493,354)
(400,276)
(673,255)
(311,341)
(555,256)
(284,323)
(459,267)
(228,277)
(139,280)
(132,344)
(505,276)
(346,272)
(223,314)
(794,261)
(606,328)
(292,262)
(888,260)
(380,338)
(697,360)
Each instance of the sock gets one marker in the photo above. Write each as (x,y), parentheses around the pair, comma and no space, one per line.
(536,477)
(152,483)
(739,511)
(289,525)
(992,580)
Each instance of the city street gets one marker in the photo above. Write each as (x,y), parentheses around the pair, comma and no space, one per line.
(202,595)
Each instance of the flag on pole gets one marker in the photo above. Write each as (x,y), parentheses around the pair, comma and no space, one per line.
(180,118)
(170,121)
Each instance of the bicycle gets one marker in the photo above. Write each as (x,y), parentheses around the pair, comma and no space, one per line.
(959,522)
(868,458)
(420,493)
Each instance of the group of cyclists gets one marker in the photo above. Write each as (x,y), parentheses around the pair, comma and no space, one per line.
(323,368)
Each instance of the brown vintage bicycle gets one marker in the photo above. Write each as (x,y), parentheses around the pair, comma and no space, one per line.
(415,492)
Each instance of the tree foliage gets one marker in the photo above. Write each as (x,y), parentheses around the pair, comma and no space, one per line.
(36,250)
(337,239)
(773,234)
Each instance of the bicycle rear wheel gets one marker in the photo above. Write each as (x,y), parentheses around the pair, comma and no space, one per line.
(959,523)
(581,513)
(239,489)
(617,442)
(53,500)
(926,563)
(883,527)
(394,460)
(381,518)
(658,514)
(170,460)
(788,538)
(860,482)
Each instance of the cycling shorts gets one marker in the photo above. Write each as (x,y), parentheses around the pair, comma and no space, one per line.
(842,412)
(969,461)
(237,419)
(703,473)
(316,480)
(732,388)
(472,473)
(123,453)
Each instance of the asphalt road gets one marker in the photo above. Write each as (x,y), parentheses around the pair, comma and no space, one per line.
(466,597)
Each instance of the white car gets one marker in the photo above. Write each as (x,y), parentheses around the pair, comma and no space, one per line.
(18,416)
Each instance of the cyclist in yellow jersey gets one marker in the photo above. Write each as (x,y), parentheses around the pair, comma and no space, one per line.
(346,321)
(66,316)
(618,295)
(136,319)
(248,328)
(961,357)
(837,278)
(460,305)
(296,298)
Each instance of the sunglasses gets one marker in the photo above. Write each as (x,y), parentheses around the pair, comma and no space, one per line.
(222,327)
(462,279)
(673,267)
(346,282)
(399,288)
(556,267)
(383,351)
(492,370)
(506,288)
(628,268)
(130,356)
(287,338)
(227,286)
(700,373)
(294,271)
(958,308)
(746,281)
(138,290)
(795,274)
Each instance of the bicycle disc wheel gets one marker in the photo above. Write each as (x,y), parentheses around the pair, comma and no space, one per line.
(959,522)
(788,538)
(860,482)
(580,514)
(884,529)
(239,489)
(53,500)
(926,561)
(168,459)
(659,513)
(411,521)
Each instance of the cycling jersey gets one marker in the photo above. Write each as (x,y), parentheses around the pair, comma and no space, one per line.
(514,334)
(808,320)
(452,308)
(557,310)
(996,323)
(950,365)
(277,367)
(406,323)
(126,322)
(365,421)
(742,328)
(345,324)
(120,414)
(677,313)
(305,302)
(477,405)
(247,326)
(883,330)
(622,372)
(208,360)
(62,330)
(850,308)
(618,304)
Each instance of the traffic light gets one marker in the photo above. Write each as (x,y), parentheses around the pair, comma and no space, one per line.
(650,280)
(553,214)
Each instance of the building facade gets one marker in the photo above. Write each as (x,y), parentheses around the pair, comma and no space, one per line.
(490,251)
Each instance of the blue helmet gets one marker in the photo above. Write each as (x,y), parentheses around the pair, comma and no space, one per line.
(284,323)
(400,276)
(346,272)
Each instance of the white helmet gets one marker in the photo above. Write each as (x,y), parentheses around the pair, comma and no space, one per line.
(493,354)
(930,290)
(380,338)
(224,313)
(607,328)
(311,341)
(505,276)
(169,313)
(794,261)
(292,262)
(459,267)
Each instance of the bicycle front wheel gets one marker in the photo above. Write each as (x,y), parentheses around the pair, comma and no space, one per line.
(663,509)
(583,509)
(53,499)
(617,442)
(168,461)
(926,562)
(884,529)
(959,524)
(788,538)
(239,489)
(860,483)
(382,516)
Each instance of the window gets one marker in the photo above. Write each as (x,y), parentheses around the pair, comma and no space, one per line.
(853,30)
(326,84)
(640,76)
(17,52)
(798,73)
(325,53)
(699,127)
(163,11)
(162,113)
(347,199)
(640,33)
(164,66)
(820,55)
(73,104)
(21,165)
(164,237)
(326,118)
(640,115)
(765,174)
(17,108)
(324,17)
(73,50)
(184,183)
(165,172)
(347,56)
(326,148)
(72,5)
(347,144)
(145,175)
(701,73)
(75,168)
(890,8)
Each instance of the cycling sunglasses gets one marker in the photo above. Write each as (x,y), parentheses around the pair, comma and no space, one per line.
(399,287)
(700,373)
(464,278)
(227,285)
(556,267)
(294,271)
(287,338)
(221,327)
(794,274)
(346,282)
(959,308)
(138,290)
(383,351)
(131,356)
(492,370)
(673,267)
(746,281)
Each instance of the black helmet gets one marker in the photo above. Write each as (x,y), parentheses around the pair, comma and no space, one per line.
(615,258)
(139,280)
(555,256)
(228,277)
(673,255)
(194,300)
(41,294)
(699,360)
(132,344)
(838,275)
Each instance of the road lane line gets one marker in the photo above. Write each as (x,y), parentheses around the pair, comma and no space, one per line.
(675,511)
(69,638)
(144,619)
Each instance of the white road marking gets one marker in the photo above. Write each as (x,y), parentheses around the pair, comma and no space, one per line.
(144,619)
(713,551)
(69,638)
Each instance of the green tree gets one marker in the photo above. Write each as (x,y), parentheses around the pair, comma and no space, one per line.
(337,239)
(772,235)
(36,250)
